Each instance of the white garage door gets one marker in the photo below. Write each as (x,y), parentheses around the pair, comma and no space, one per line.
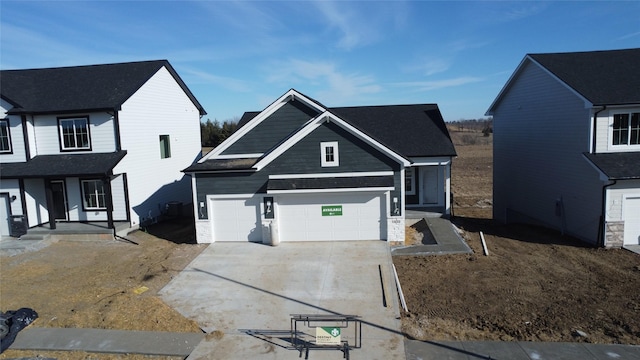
(320,217)
(236,219)
(632,220)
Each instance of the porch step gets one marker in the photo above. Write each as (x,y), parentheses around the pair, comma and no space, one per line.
(35,236)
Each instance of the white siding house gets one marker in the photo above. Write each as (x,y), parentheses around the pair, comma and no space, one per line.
(556,162)
(106,146)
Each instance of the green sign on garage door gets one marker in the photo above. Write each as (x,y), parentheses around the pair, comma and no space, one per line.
(332,210)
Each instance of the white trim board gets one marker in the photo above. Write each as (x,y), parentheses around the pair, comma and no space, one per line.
(330,175)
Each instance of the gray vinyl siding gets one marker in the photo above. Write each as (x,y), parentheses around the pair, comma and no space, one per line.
(541,130)
(272,130)
(302,158)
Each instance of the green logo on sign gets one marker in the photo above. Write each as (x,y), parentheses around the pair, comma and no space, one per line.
(332,210)
(327,336)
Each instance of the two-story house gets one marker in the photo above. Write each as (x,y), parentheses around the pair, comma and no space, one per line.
(567,145)
(301,171)
(100,143)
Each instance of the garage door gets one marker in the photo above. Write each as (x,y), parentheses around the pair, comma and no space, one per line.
(236,219)
(320,217)
(632,220)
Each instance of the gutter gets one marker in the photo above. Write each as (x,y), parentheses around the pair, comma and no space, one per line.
(595,120)
(601,229)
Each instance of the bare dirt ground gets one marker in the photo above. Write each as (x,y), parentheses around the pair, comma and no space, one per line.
(101,284)
(535,285)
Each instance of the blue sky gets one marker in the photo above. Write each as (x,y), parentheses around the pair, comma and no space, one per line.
(239,56)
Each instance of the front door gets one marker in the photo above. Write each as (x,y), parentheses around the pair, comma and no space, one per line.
(59,200)
(429,188)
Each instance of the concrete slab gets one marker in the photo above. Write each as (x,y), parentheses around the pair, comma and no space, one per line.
(236,290)
(107,341)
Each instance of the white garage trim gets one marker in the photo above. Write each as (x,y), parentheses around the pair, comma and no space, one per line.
(324,191)
(235,217)
(362,216)
(331,175)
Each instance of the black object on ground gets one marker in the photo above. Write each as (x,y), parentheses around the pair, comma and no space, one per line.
(11,323)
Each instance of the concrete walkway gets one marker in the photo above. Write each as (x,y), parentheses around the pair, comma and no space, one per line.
(447,240)
(107,341)
(499,350)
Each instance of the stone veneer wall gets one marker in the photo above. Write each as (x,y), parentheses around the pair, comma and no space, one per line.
(615,234)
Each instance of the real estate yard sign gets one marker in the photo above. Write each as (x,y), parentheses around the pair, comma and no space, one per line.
(327,335)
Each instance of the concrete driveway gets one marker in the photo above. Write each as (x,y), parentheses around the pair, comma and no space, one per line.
(243,295)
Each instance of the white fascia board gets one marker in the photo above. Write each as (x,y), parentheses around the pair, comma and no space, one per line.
(239,156)
(330,190)
(366,138)
(331,175)
(430,161)
(268,111)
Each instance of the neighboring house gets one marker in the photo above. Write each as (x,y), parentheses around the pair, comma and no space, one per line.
(567,145)
(299,171)
(101,143)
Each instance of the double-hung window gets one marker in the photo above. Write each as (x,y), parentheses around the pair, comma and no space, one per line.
(74,133)
(329,155)
(626,129)
(93,195)
(5,137)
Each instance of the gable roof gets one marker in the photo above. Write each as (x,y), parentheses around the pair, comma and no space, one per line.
(80,88)
(410,130)
(609,77)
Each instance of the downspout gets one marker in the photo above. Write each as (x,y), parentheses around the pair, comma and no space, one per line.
(595,121)
(601,230)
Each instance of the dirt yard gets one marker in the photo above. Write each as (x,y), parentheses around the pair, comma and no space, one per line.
(535,285)
(101,284)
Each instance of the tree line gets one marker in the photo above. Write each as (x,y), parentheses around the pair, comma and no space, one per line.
(212,133)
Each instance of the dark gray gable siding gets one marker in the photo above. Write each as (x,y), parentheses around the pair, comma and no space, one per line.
(354,154)
(273,130)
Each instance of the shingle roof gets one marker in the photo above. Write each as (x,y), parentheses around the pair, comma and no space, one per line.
(617,166)
(91,164)
(223,164)
(602,77)
(409,130)
(330,183)
(80,88)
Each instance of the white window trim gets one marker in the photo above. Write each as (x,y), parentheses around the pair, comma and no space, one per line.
(412,171)
(62,145)
(610,144)
(323,154)
(84,202)
(10,149)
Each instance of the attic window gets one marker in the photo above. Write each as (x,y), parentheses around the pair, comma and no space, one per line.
(329,155)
